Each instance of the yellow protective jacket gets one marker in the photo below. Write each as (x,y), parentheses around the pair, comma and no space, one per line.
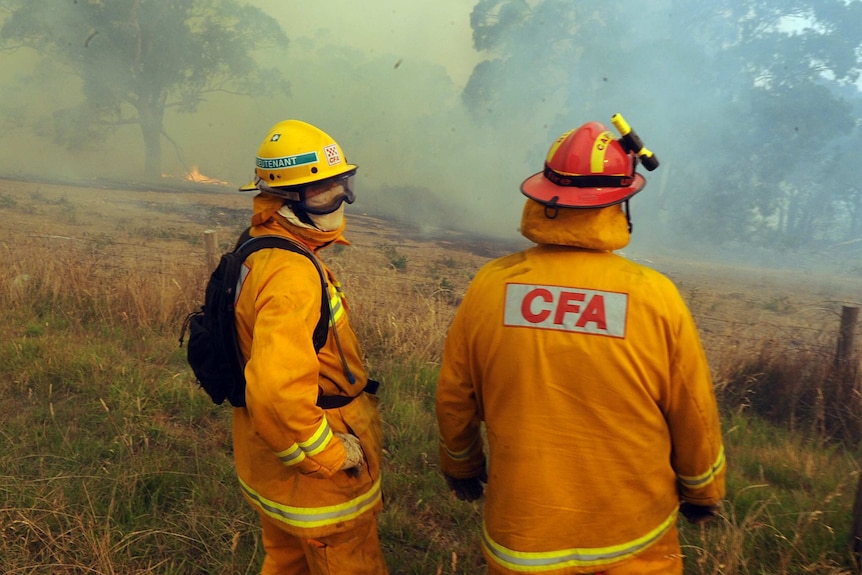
(287,458)
(590,377)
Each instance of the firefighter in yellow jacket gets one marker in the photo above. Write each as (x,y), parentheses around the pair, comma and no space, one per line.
(308,444)
(589,375)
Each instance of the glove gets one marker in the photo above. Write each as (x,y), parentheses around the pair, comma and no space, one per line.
(467,489)
(355,459)
(697,514)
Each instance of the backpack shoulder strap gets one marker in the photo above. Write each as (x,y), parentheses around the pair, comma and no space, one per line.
(247,245)
(243,237)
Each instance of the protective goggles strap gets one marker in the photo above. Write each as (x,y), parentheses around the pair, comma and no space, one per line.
(576,181)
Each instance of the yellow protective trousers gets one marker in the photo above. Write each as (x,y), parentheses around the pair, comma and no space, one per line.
(354,552)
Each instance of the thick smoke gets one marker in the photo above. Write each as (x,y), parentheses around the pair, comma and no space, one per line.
(386,80)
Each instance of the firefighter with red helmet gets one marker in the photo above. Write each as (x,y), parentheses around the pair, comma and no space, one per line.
(590,379)
(308,444)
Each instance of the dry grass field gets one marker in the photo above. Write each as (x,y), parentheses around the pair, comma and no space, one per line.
(112,461)
(738,308)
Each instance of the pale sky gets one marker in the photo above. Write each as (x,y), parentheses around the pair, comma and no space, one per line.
(437,31)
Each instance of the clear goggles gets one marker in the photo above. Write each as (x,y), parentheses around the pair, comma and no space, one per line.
(327,197)
(321,198)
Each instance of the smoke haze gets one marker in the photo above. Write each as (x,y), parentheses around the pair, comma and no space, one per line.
(385,79)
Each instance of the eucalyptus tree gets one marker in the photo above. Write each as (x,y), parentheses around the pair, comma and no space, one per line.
(802,59)
(747,98)
(137,58)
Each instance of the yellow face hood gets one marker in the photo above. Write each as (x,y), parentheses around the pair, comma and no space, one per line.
(266,216)
(604,229)
(265,206)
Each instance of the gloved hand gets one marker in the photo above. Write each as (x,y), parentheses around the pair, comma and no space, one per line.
(355,459)
(467,489)
(697,514)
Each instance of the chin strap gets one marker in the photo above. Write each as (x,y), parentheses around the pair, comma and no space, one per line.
(628,216)
(552,211)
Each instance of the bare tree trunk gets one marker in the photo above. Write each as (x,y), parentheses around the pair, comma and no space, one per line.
(151,129)
(152,151)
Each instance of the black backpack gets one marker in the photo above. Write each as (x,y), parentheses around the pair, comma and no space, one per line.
(213,349)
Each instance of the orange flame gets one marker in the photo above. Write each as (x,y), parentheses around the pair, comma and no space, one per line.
(194,175)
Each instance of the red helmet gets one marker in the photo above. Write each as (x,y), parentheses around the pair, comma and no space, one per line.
(585,168)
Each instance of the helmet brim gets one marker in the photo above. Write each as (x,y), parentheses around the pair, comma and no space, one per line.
(249,187)
(541,189)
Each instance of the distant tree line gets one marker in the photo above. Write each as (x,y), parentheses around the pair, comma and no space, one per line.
(780,166)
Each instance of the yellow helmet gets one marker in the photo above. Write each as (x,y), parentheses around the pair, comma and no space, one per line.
(295,154)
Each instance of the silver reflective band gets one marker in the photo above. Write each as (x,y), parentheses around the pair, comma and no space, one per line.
(536,562)
(310,517)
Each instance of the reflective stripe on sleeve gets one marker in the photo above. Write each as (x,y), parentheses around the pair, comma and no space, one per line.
(309,517)
(292,455)
(297,452)
(698,481)
(533,562)
(465,454)
(336,306)
(317,442)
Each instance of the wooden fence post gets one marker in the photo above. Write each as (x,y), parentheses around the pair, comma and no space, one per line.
(211,243)
(846,371)
(845,354)
(844,398)
(856,533)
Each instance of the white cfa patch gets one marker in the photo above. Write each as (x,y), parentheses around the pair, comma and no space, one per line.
(566,309)
(332,155)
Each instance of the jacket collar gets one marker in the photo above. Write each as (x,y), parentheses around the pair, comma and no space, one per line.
(267,220)
(602,229)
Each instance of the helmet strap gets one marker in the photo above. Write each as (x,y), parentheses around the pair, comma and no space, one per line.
(551,209)
(628,216)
